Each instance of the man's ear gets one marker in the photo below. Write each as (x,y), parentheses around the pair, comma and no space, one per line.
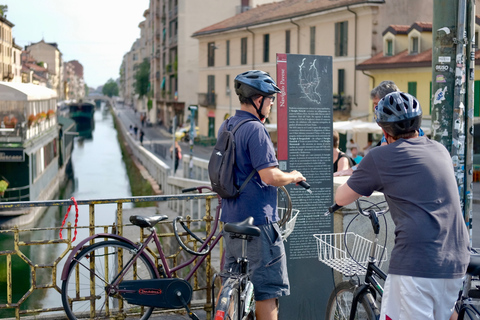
(385,134)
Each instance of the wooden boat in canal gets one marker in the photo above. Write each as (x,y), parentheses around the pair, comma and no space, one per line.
(82,113)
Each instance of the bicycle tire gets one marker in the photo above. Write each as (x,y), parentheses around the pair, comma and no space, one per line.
(340,304)
(468,313)
(77,306)
(228,307)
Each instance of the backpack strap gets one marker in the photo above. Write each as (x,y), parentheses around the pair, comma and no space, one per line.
(244,184)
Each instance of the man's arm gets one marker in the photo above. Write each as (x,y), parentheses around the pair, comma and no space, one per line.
(276,177)
(345,195)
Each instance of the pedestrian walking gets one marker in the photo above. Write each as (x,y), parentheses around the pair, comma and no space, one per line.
(141,136)
(135,131)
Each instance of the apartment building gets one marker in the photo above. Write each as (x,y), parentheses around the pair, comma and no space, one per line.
(49,54)
(6,44)
(350,31)
(74,84)
(173,53)
(16,62)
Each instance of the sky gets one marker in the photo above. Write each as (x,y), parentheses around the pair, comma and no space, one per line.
(97,33)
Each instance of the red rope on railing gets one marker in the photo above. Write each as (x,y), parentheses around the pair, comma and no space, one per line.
(76,219)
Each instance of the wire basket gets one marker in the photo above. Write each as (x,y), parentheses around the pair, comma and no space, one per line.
(287,229)
(332,251)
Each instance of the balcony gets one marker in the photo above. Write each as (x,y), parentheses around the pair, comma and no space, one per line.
(207,99)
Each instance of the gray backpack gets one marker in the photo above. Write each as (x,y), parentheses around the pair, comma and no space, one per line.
(222,163)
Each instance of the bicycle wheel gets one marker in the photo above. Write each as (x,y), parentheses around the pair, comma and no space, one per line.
(468,313)
(228,304)
(84,292)
(340,304)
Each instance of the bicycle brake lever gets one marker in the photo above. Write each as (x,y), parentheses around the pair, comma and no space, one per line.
(305,185)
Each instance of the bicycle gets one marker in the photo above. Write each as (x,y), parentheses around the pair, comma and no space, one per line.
(118,277)
(469,296)
(236,298)
(355,298)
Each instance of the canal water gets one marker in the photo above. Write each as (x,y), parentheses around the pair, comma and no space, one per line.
(99,173)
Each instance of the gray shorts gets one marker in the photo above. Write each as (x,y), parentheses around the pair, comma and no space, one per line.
(268,262)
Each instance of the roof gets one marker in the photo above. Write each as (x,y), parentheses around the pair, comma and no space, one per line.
(13,91)
(421,27)
(277,11)
(401,60)
(396,29)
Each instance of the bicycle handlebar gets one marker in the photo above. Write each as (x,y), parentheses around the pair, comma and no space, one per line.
(199,189)
(205,251)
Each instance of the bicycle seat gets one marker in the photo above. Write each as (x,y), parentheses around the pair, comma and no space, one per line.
(474,265)
(146,222)
(245,227)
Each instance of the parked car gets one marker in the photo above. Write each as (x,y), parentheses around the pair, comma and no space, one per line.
(183,134)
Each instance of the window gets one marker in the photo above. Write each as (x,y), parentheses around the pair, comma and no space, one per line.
(476,40)
(312,40)
(228,53)
(287,41)
(389,47)
(243,49)
(412,88)
(227,82)
(341,38)
(341,81)
(211,90)
(414,44)
(266,47)
(211,54)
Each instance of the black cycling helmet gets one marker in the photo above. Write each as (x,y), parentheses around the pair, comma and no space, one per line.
(255,82)
(398,113)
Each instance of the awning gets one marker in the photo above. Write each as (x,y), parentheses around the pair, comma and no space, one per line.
(14,91)
(357,126)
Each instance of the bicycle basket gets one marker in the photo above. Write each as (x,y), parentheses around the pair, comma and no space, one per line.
(332,251)
(289,225)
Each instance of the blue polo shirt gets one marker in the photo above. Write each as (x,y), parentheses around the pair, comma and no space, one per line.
(254,150)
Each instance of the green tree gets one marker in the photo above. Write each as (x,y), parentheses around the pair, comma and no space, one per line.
(110,88)
(3,10)
(142,79)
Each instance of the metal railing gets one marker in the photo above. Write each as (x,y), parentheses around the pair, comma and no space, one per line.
(201,282)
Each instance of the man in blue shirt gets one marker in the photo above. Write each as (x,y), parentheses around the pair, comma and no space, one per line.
(254,150)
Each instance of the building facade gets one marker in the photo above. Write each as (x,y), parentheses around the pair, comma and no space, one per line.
(6,52)
(173,53)
(49,54)
(349,31)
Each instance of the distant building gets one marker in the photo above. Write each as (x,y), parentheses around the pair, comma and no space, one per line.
(16,62)
(173,55)
(6,45)
(74,84)
(51,55)
(33,71)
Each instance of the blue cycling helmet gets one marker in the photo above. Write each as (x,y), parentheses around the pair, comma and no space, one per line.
(398,113)
(255,82)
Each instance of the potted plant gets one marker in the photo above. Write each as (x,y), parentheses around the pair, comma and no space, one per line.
(3,187)
(32,119)
(50,114)
(10,122)
(41,116)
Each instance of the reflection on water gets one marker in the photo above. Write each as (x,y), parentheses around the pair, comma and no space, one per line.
(99,173)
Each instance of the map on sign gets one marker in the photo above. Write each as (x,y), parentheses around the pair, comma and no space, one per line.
(309,80)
